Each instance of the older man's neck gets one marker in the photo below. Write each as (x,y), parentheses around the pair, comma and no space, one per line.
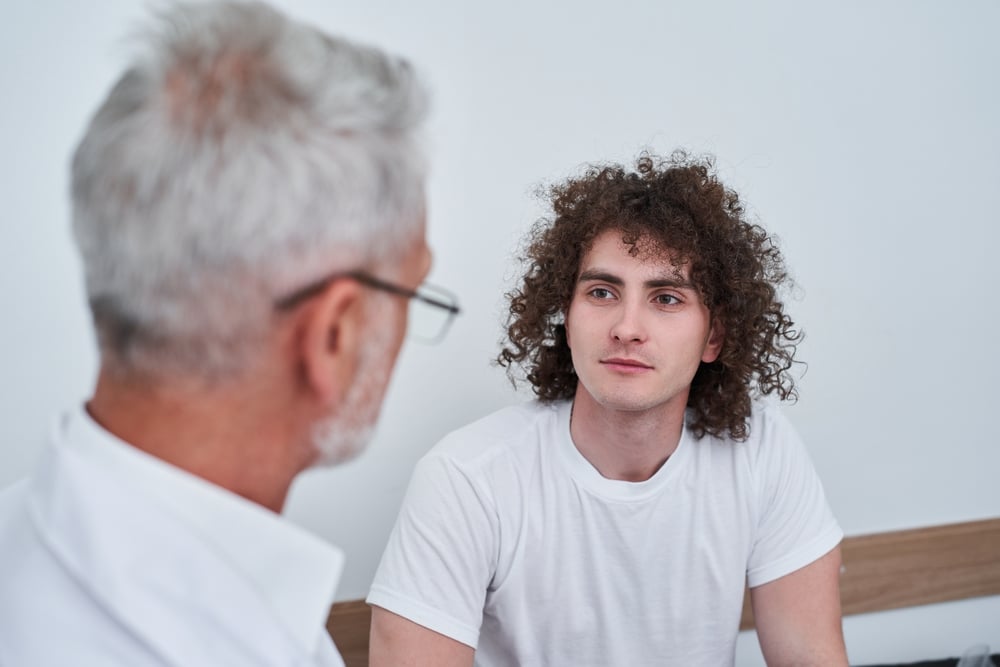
(230,435)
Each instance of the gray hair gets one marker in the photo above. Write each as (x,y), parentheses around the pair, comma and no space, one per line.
(242,156)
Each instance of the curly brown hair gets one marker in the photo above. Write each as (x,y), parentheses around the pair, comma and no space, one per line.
(675,205)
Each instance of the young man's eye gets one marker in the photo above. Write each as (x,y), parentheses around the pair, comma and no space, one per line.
(601,293)
(667,300)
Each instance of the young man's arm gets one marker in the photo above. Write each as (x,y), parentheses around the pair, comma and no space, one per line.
(398,642)
(435,572)
(798,616)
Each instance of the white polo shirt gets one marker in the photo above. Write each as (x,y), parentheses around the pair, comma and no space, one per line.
(110,556)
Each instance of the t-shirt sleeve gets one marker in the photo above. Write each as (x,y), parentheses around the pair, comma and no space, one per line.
(441,554)
(795,525)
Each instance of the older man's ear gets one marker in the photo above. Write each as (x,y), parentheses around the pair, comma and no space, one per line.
(331,335)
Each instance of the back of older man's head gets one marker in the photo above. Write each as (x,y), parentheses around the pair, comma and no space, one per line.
(241,156)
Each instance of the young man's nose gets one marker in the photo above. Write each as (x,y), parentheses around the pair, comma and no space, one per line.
(629,326)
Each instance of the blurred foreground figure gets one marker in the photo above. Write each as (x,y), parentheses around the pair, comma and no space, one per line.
(248,203)
(615,520)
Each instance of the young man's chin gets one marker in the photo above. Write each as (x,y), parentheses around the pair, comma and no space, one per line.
(634,401)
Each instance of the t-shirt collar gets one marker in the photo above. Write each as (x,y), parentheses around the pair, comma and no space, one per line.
(613,489)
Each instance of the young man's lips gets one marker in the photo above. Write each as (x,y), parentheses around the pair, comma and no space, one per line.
(626,364)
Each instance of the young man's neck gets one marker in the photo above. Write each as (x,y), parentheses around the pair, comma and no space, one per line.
(227,438)
(627,445)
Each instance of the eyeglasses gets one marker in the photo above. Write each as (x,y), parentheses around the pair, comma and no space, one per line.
(432,308)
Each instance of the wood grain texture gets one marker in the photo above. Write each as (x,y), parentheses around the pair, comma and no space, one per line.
(908,568)
(348,624)
(883,571)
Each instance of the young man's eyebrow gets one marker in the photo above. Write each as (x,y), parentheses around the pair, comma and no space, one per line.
(676,282)
(599,275)
(610,278)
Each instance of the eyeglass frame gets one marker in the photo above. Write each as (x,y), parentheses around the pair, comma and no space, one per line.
(312,289)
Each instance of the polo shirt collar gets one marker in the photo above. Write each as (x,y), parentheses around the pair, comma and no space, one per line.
(295,572)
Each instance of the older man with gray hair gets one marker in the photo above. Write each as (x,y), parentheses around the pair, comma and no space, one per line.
(248,203)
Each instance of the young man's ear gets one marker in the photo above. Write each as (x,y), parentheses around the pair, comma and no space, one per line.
(713,346)
(330,341)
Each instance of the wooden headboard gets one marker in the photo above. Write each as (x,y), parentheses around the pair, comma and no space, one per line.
(882,571)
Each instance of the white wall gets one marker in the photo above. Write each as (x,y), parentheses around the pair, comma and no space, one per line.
(864,134)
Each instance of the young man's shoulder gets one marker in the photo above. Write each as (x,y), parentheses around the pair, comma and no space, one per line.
(511,432)
(770,436)
(772,440)
(767,422)
(768,418)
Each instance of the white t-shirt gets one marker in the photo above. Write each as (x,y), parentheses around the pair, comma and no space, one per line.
(510,541)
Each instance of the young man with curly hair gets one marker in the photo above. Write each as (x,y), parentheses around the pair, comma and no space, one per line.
(615,520)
